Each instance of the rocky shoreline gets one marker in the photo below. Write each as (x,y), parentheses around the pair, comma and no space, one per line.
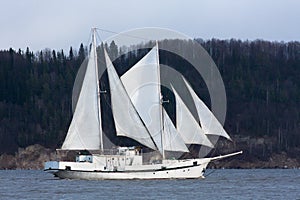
(276,160)
(34,156)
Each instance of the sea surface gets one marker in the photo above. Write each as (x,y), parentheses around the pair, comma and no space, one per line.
(218,184)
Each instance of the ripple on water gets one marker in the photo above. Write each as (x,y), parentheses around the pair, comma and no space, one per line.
(220,184)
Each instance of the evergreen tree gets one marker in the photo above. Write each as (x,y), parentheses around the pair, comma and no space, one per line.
(81,53)
(113,50)
(71,55)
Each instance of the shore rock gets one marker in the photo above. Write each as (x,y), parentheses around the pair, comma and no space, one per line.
(276,160)
(32,157)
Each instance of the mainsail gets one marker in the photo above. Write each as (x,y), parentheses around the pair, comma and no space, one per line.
(187,126)
(84,130)
(209,123)
(142,83)
(127,120)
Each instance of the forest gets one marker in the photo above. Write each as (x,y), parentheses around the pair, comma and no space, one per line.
(261,78)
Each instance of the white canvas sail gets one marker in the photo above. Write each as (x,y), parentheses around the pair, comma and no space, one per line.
(209,122)
(187,126)
(84,130)
(142,84)
(172,140)
(127,120)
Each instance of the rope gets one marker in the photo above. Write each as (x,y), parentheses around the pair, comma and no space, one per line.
(128,35)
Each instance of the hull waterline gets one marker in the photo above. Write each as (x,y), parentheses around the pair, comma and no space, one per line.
(191,172)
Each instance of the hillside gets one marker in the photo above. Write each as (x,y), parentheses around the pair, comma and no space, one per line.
(261,79)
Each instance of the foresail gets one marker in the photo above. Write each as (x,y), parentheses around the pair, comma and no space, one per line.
(187,126)
(142,85)
(84,129)
(172,139)
(209,122)
(127,121)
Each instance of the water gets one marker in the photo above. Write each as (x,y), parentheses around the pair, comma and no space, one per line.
(220,184)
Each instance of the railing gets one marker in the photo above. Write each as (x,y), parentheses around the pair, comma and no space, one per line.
(148,157)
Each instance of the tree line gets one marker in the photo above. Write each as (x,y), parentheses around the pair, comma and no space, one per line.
(262,82)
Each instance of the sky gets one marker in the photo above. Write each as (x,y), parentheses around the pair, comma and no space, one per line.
(59,24)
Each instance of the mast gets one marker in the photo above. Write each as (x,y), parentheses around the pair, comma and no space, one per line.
(94,45)
(160,103)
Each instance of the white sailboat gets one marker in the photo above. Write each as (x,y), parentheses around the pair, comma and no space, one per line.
(139,115)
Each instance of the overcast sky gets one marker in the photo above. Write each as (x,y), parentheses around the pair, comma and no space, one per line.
(59,24)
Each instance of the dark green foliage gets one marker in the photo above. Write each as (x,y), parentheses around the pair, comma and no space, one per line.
(262,81)
(263,88)
(35,98)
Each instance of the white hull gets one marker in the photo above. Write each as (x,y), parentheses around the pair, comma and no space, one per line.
(168,169)
(185,173)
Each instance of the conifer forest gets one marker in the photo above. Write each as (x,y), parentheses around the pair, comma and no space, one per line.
(261,78)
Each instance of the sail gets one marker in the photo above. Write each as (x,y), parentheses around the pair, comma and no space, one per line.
(127,121)
(84,130)
(142,83)
(209,122)
(187,126)
(172,139)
